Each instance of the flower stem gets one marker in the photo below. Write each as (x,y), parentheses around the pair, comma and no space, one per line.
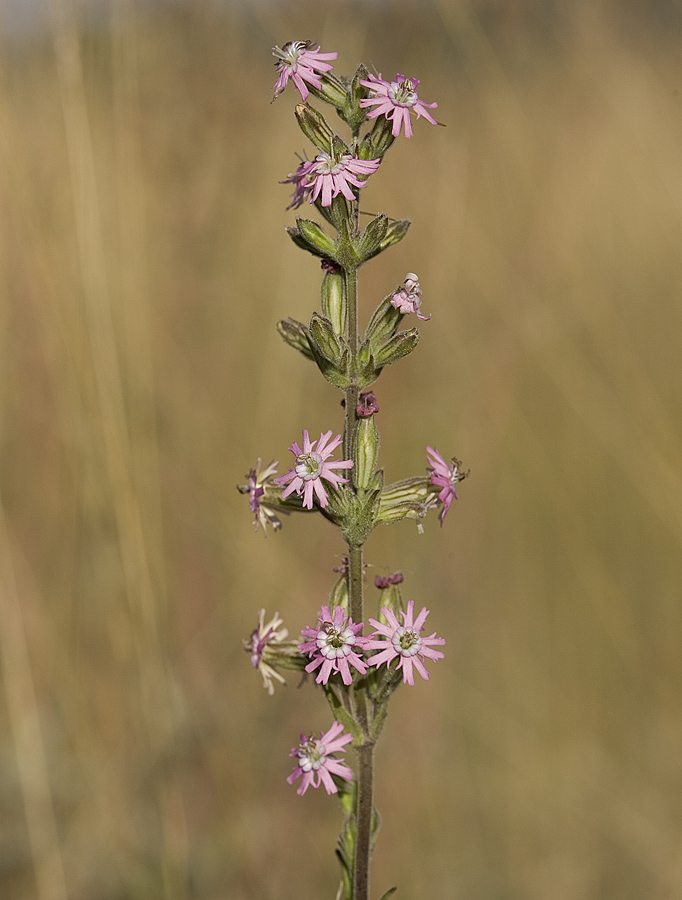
(365,774)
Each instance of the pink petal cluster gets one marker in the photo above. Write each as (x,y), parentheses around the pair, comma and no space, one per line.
(446,477)
(311,467)
(261,637)
(260,479)
(403,641)
(316,765)
(300,61)
(330,176)
(395,99)
(408,298)
(301,182)
(332,644)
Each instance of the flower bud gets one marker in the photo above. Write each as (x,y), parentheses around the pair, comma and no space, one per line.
(296,335)
(352,113)
(409,498)
(333,300)
(329,350)
(317,241)
(390,594)
(383,323)
(396,347)
(314,126)
(381,135)
(397,229)
(366,452)
(371,238)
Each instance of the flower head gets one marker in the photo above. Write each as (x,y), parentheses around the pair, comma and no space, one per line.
(385,583)
(262,638)
(316,765)
(332,176)
(312,467)
(403,641)
(445,477)
(300,61)
(367,405)
(395,99)
(260,480)
(332,644)
(408,298)
(301,182)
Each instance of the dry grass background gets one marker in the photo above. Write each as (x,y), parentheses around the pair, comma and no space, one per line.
(143,264)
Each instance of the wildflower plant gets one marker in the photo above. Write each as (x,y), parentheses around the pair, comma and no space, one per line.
(338,476)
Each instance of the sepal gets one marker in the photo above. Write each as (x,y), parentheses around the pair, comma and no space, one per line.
(409,498)
(296,335)
(397,229)
(381,136)
(383,323)
(329,351)
(389,893)
(316,240)
(314,126)
(352,113)
(333,301)
(366,368)
(366,453)
(396,347)
(371,238)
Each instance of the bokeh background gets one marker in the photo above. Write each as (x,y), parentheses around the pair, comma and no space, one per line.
(143,265)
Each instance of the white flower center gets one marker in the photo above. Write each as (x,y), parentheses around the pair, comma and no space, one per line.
(402,93)
(327,165)
(311,754)
(309,465)
(333,642)
(406,641)
(290,53)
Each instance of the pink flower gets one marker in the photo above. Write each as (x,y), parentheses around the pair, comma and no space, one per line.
(261,637)
(404,641)
(316,765)
(446,477)
(408,298)
(395,99)
(332,645)
(331,177)
(258,489)
(302,183)
(300,61)
(312,467)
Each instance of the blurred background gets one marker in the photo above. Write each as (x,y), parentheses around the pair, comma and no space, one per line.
(143,266)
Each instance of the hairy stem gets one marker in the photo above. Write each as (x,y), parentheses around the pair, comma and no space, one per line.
(365,775)
(363,813)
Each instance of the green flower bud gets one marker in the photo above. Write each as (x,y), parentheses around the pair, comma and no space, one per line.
(396,348)
(381,135)
(371,238)
(296,335)
(366,452)
(410,498)
(397,229)
(352,113)
(333,300)
(383,323)
(317,241)
(314,126)
(329,350)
